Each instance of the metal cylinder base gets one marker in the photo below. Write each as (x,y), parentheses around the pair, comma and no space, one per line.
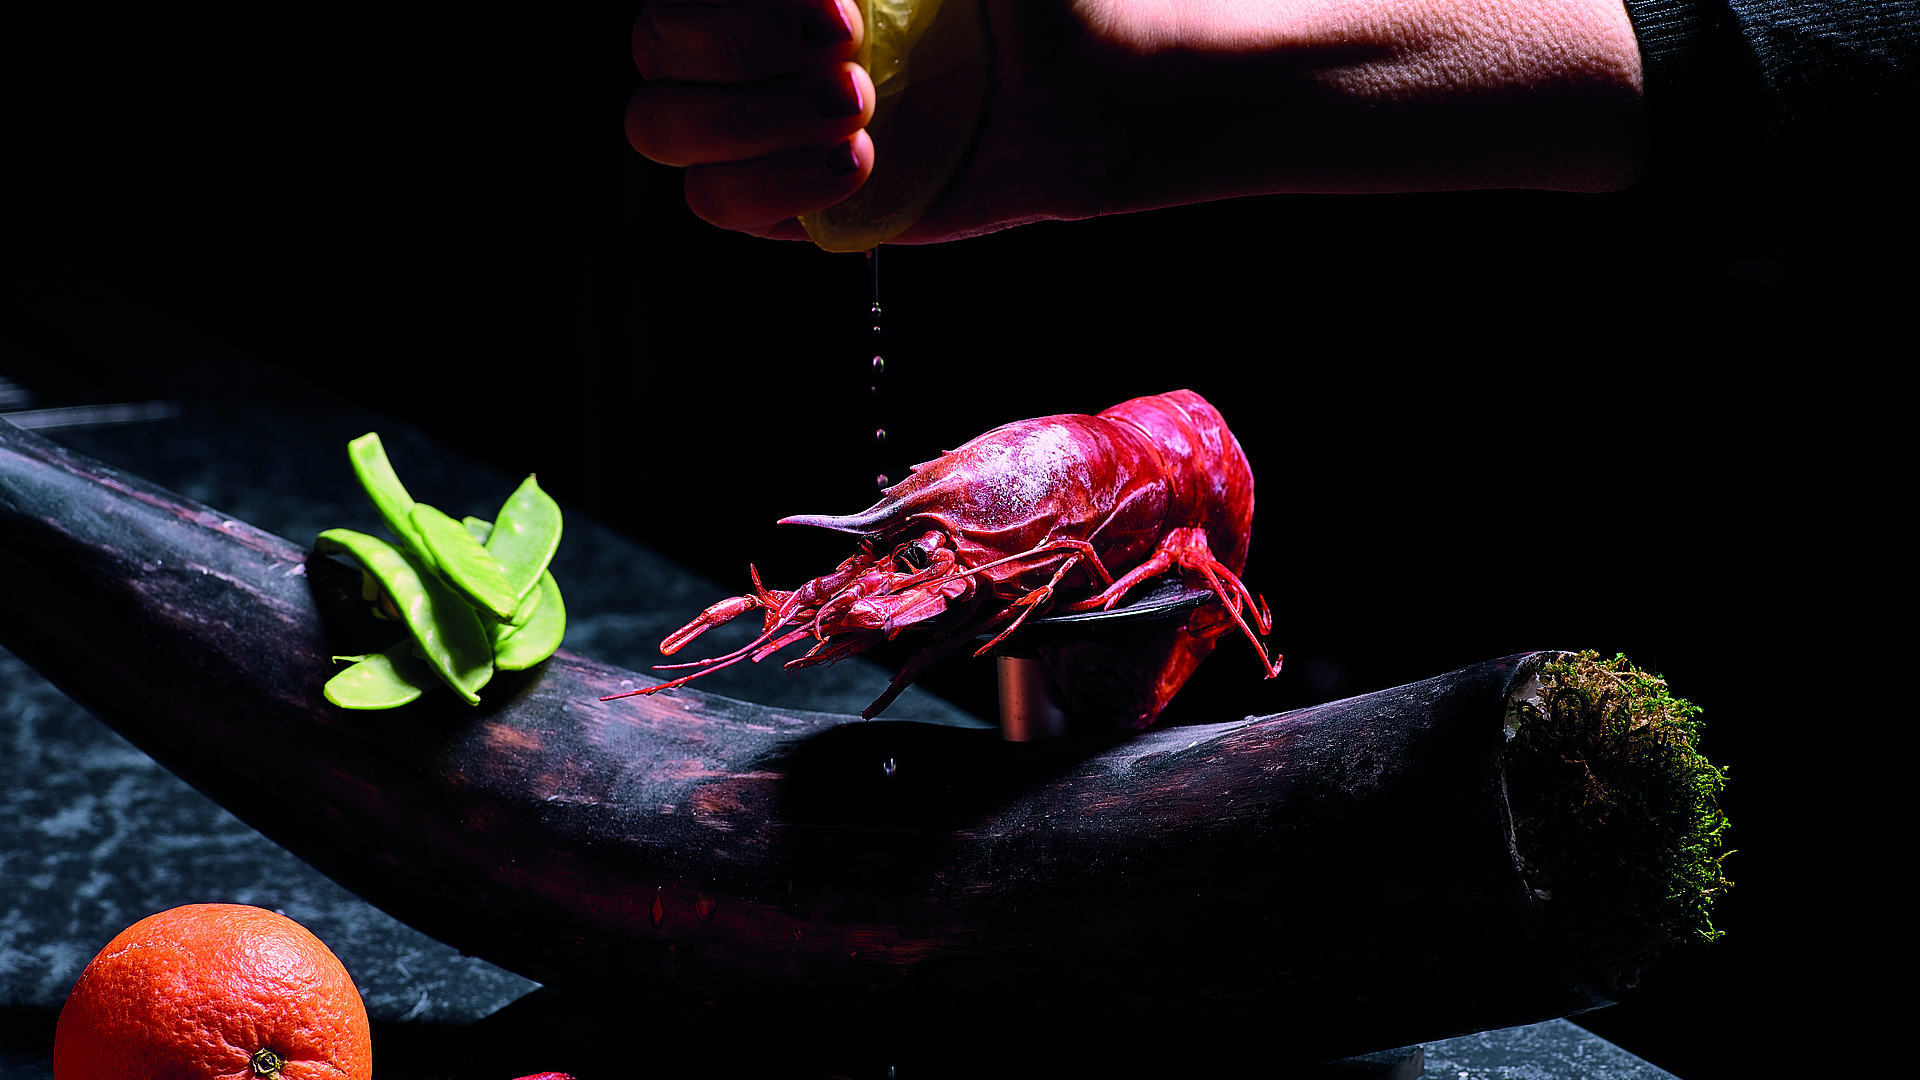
(1030,702)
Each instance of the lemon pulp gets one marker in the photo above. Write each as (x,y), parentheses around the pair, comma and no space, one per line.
(928,60)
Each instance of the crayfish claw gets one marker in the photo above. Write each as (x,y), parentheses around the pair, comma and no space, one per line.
(716,615)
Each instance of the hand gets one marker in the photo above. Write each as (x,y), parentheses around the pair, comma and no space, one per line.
(761,100)
(1114,106)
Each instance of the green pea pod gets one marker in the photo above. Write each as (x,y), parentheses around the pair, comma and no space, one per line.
(527,645)
(497,629)
(445,626)
(525,536)
(465,565)
(384,680)
(389,496)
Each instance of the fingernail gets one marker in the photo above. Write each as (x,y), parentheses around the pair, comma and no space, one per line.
(837,98)
(821,29)
(840,159)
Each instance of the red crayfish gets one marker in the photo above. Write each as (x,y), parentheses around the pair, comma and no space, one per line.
(1029,518)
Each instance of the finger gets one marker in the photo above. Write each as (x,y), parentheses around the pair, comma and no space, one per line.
(683,123)
(706,41)
(758,196)
(790,229)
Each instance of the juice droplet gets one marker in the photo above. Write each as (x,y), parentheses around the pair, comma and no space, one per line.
(879,435)
(658,912)
(881,480)
(888,768)
(703,908)
(879,365)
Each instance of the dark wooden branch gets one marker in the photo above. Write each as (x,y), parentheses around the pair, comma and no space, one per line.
(1321,882)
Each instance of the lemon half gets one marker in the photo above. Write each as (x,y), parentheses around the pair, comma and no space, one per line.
(929,63)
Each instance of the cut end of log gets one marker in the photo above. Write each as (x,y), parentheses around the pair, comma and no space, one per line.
(1616,813)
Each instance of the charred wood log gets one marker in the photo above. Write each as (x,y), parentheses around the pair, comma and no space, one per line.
(1317,883)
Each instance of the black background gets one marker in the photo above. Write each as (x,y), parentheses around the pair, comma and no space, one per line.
(1481,422)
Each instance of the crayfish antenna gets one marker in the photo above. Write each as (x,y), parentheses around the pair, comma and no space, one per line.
(675,684)
(835,649)
(708,667)
(775,646)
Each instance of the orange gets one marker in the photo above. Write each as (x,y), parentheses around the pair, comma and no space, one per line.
(214,992)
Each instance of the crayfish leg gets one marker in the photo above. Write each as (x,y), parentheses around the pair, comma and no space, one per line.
(1028,604)
(917,667)
(1158,563)
(966,628)
(1213,569)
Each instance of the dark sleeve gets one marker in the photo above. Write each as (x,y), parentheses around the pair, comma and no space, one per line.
(1752,104)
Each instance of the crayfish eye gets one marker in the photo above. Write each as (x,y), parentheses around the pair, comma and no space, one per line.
(915,556)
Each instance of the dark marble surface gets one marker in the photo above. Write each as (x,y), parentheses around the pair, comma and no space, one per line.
(97,836)
(1555,1050)
(94,835)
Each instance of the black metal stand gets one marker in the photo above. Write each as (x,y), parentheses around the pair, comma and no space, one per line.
(1033,705)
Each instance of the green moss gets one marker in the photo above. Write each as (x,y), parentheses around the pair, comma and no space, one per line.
(1616,813)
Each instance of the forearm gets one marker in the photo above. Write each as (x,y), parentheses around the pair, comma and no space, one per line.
(1125,105)
(1398,96)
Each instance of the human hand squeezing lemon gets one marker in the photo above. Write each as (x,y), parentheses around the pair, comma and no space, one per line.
(856,122)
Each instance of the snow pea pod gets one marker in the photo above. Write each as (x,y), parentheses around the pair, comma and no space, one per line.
(525,646)
(384,680)
(525,536)
(468,567)
(445,626)
(389,496)
(480,529)
(545,638)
